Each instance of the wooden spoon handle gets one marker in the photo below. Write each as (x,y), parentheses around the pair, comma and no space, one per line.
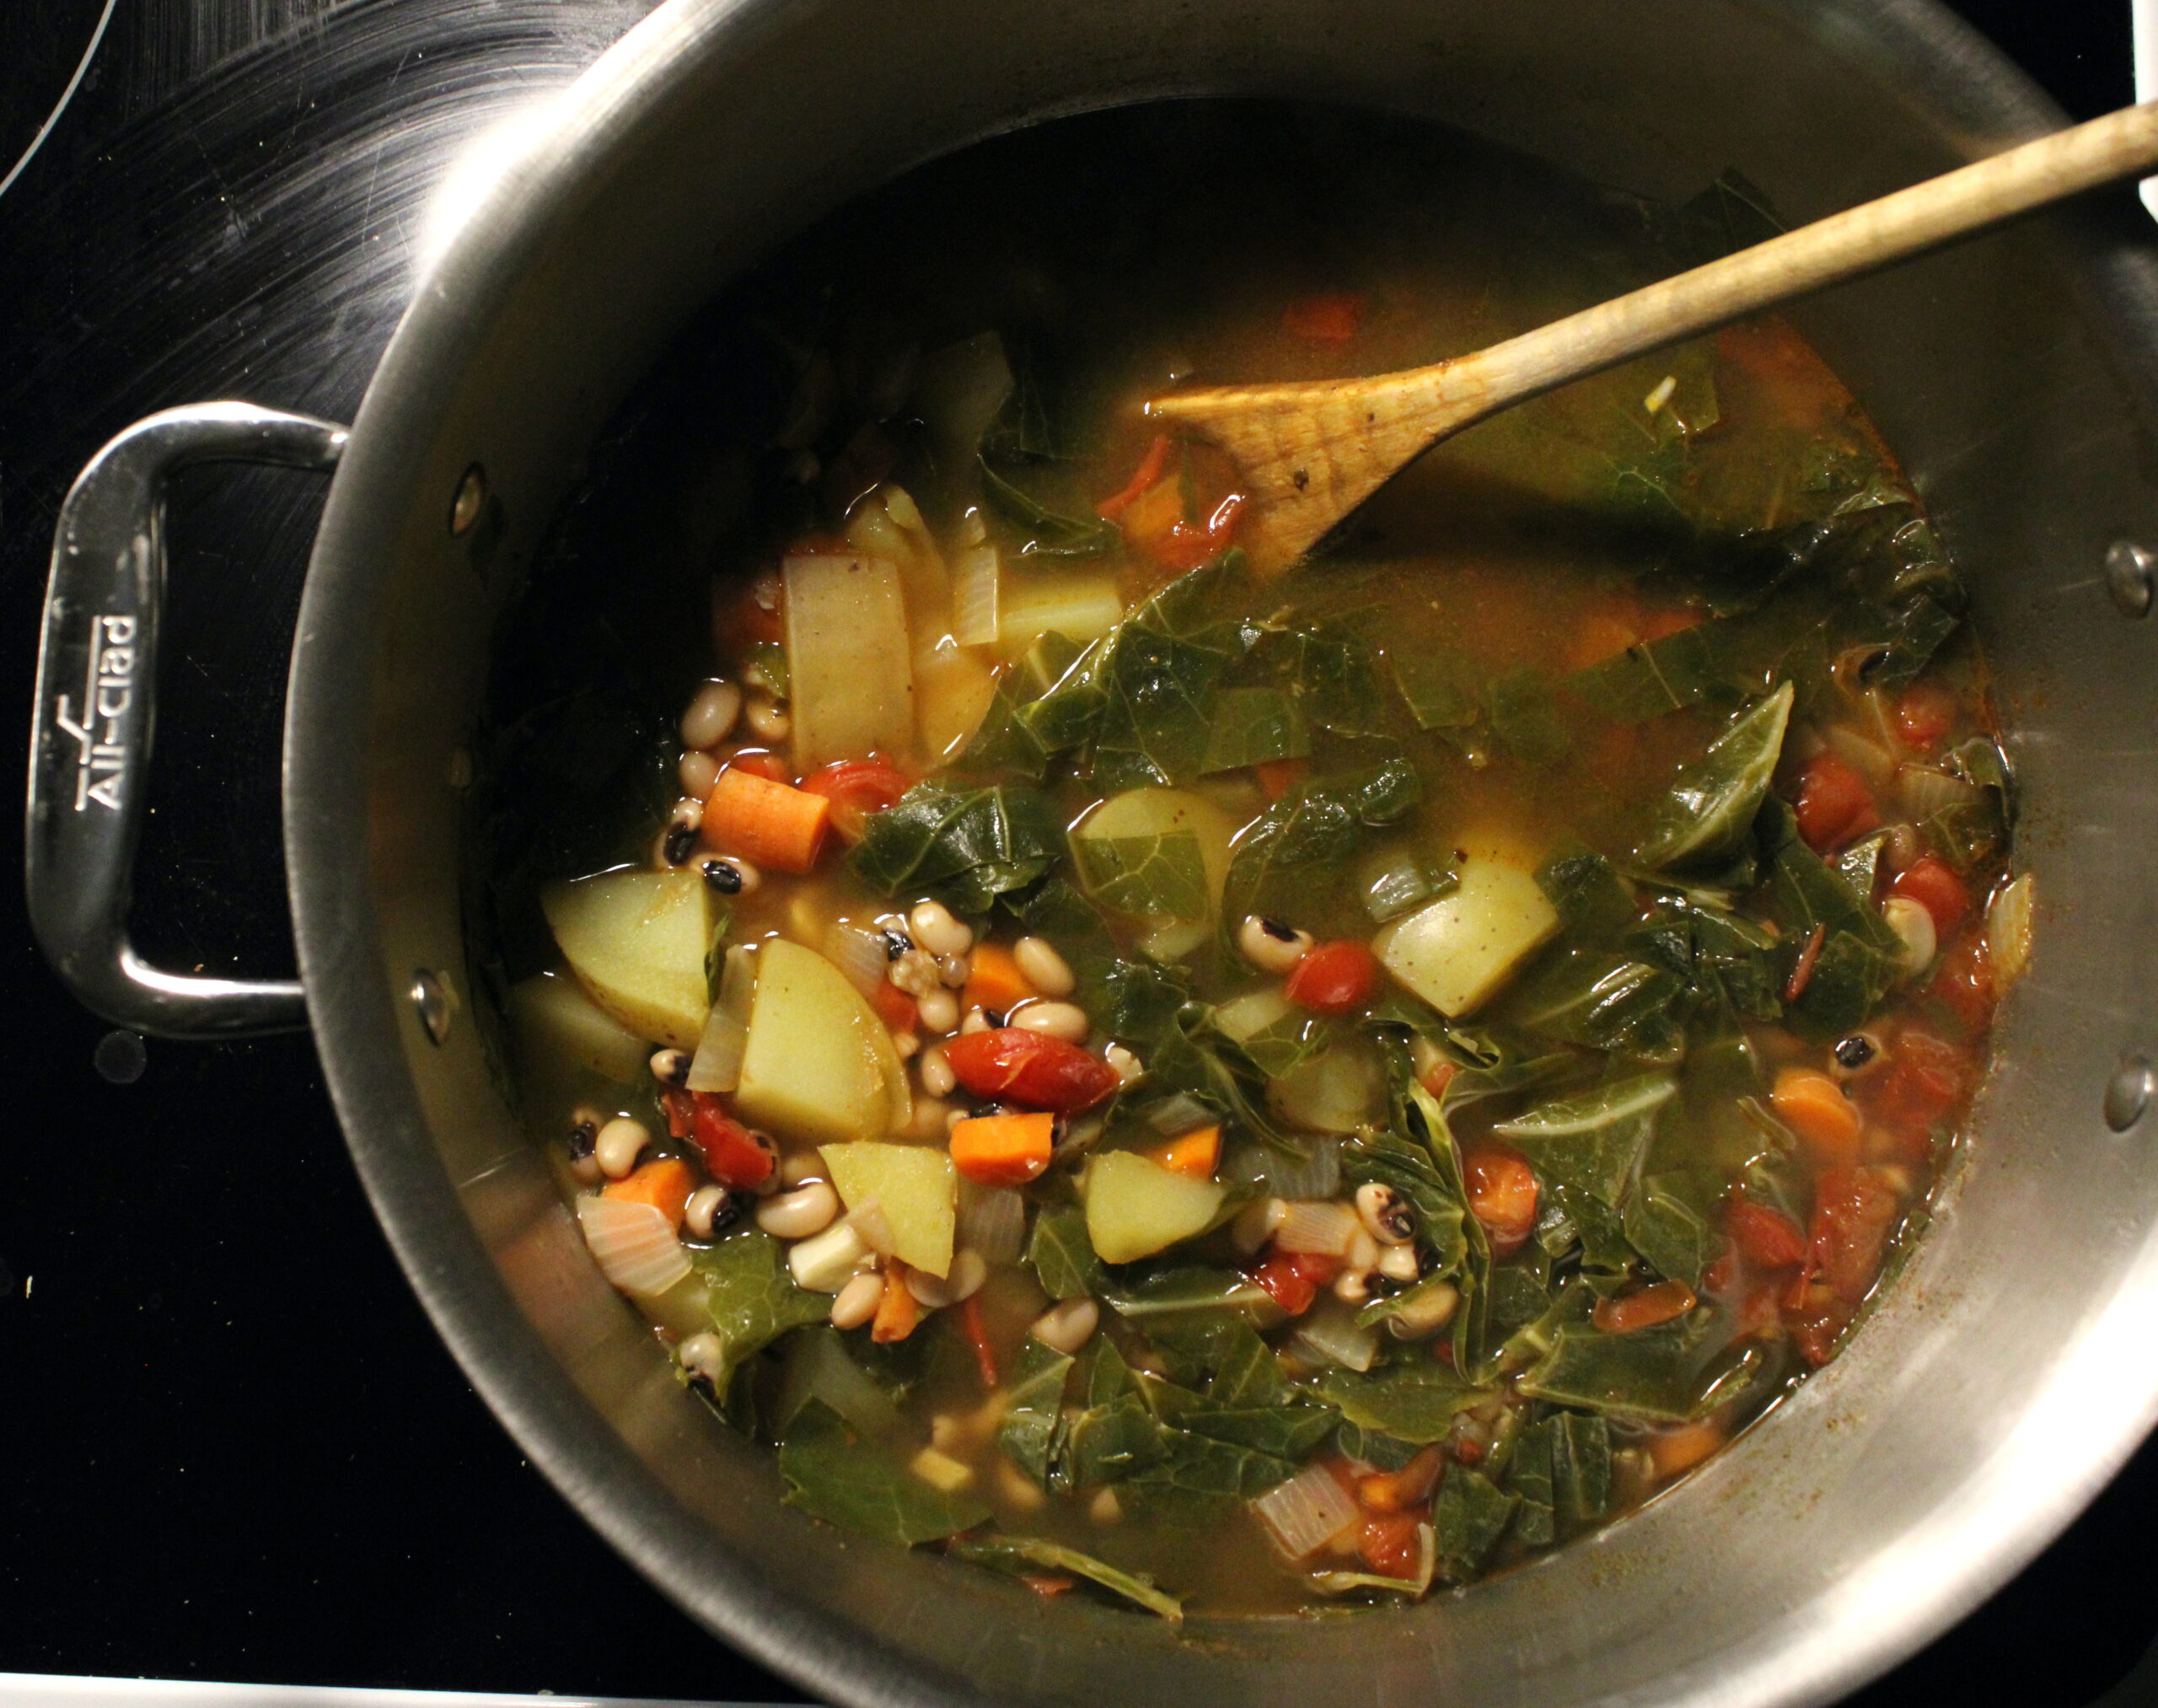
(1842,246)
(1310,453)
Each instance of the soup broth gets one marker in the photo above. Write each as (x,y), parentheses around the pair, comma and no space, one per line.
(1227,1091)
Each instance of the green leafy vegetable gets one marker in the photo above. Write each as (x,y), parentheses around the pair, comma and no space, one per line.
(1131,1000)
(1439,686)
(1297,855)
(1004,742)
(1524,718)
(1669,1222)
(1710,811)
(1255,726)
(1021,1556)
(966,847)
(1113,1433)
(752,1298)
(1180,1291)
(1661,1374)
(1859,953)
(1031,1433)
(1142,876)
(1470,1515)
(1048,533)
(1062,1257)
(833,1474)
(1413,1400)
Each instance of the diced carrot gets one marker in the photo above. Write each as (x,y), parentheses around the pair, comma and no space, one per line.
(1813,1106)
(1048,1585)
(665,1184)
(1151,467)
(1682,1446)
(1329,317)
(775,825)
(1932,883)
(1006,1150)
(1502,1194)
(897,1311)
(1666,621)
(996,982)
(1277,776)
(1194,1153)
(759,763)
(898,1011)
(977,1333)
(1833,803)
(1663,1302)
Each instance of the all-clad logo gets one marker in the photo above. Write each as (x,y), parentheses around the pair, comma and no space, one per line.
(108,694)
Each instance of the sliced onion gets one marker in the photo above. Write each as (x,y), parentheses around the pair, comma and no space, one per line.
(992,1222)
(1318,1175)
(1868,758)
(1174,1116)
(717,1064)
(1323,1227)
(874,1227)
(634,1244)
(1925,791)
(1330,1335)
(1250,1014)
(973,597)
(858,954)
(2008,930)
(1306,1512)
(1336,1090)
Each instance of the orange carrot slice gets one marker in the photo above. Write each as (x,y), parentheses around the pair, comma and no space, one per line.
(775,825)
(1194,1153)
(665,1184)
(1007,1150)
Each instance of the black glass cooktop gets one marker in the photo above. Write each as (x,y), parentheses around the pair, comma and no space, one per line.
(233,1447)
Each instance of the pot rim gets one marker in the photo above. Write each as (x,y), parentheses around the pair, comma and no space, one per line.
(1942,68)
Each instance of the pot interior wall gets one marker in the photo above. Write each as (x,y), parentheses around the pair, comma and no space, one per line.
(1985,1398)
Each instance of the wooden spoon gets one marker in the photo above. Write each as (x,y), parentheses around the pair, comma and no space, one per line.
(1311,451)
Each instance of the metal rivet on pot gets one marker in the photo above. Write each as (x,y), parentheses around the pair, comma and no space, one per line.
(433,1001)
(2131,578)
(2129,1093)
(471,495)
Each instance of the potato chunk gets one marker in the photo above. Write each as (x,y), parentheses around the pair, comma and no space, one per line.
(1135,1207)
(917,1188)
(1456,951)
(847,658)
(818,1067)
(637,941)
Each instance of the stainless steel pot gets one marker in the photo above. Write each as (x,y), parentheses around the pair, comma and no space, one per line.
(2006,1374)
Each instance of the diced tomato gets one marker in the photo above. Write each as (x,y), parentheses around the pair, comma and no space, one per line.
(1964,984)
(1852,1212)
(1932,883)
(1334,978)
(1013,1064)
(1765,1236)
(1815,1325)
(977,1333)
(733,1155)
(1924,1080)
(1277,776)
(1438,1077)
(856,788)
(1330,317)
(1286,1282)
(1647,1308)
(1389,1544)
(1722,1273)
(1501,1195)
(898,1011)
(1833,803)
(1187,547)
(1151,467)
(1925,714)
(680,1110)
(1469,1452)
(746,616)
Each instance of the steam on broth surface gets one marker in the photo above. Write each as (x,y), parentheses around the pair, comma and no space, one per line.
(1239,1093)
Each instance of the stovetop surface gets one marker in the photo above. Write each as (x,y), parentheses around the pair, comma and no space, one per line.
(234,1448)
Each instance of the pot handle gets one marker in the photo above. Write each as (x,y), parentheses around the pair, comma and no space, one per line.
(91,722)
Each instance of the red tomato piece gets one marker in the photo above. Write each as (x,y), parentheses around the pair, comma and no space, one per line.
(1151,467)
(1330,317)
(1334,978)
(1388,1542)
(1013,1064)
(1932,883)
(1765,1238)
(1926,713)
(1816,1326)
(1286,1283)
(898,1011)
(681,1111)
(1924,1080)
(734,1155)
(1964,984)
(1277,776)
(856,788)
(1187,547)
(1833,803)
(757,613)
(1852,1212)
(768,765)
(1501,1195)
